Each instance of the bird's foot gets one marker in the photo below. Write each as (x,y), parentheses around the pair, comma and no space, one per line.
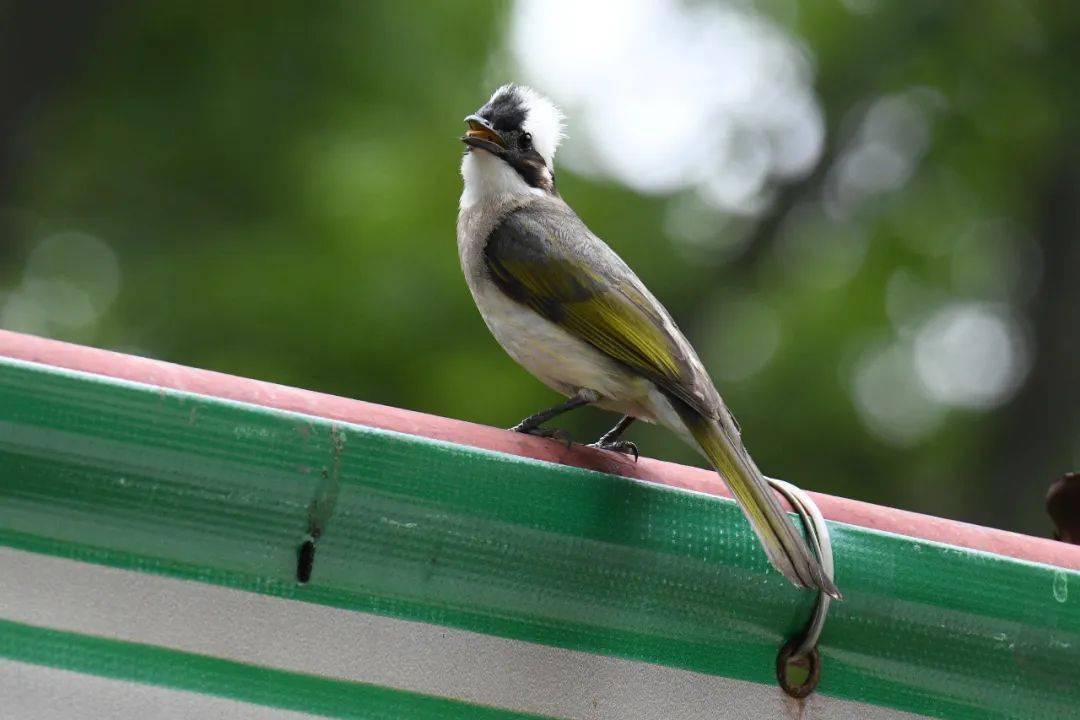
(544,432)
(620,446)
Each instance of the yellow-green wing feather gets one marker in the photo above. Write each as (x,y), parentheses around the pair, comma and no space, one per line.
(533,265)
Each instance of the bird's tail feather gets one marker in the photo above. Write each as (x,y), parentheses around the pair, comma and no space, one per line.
(788,551)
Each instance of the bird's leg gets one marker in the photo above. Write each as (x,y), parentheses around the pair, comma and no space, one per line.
(531,425)
(611,441)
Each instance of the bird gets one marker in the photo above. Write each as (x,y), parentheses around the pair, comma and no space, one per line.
(567,308)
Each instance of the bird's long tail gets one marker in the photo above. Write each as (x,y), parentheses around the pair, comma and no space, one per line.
(786,548)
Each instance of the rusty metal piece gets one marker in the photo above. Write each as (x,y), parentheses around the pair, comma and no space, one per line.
(798,675)
(1063,506)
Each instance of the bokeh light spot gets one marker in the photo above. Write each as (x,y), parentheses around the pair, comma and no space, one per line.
(70,280)
(663,96)
(889,398)
(971,355)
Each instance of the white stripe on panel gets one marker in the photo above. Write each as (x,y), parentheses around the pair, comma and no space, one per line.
(33,692)
(418,657)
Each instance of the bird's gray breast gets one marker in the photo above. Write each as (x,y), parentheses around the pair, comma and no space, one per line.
(558,358)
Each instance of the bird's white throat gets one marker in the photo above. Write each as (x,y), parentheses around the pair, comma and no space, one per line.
(488,177)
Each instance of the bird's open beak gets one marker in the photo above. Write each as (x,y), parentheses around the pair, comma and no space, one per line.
(481,135)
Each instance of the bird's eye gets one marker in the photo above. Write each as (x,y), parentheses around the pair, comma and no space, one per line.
(526,141)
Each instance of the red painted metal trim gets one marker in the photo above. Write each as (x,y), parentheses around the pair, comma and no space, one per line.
(205,382)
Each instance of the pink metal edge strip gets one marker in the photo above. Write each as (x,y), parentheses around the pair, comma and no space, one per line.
(256,392)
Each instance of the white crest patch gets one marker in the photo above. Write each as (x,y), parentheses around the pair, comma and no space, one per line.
(543,120)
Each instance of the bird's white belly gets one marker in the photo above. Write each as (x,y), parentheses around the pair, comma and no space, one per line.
(557,358)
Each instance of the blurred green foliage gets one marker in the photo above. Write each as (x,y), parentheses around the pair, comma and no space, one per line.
(279,186)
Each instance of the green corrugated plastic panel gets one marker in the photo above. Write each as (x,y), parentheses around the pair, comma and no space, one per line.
(195,487)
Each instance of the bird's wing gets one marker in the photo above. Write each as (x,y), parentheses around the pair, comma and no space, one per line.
(548,261)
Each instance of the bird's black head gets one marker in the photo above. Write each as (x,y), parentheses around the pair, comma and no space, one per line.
(520,127)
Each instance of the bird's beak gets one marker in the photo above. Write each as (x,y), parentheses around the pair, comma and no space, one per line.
(481,135)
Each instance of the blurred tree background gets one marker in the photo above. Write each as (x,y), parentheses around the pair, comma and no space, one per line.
(864,213)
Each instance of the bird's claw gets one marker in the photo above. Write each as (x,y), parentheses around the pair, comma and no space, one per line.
(544,432)
(620,446)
